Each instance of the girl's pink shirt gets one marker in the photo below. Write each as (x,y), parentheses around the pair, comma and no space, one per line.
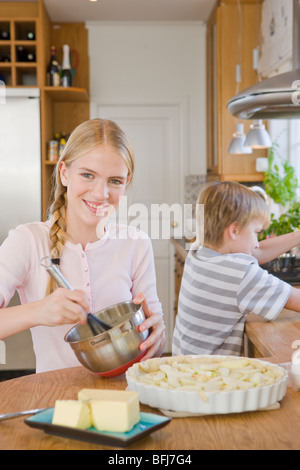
(113,269)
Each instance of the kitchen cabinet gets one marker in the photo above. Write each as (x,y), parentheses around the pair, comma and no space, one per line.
(62,109)
(277,38)
(231,38)
(19,46)
(180,254)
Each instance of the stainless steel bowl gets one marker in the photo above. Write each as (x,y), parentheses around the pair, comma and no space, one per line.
(112,352)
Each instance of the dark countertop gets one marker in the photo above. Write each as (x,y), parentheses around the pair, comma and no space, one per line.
(290,273)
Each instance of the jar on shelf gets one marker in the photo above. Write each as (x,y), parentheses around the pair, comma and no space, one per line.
(52,152)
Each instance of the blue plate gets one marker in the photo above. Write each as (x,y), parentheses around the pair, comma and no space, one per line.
(149,422)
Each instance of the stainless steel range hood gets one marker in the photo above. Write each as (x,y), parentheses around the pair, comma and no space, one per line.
(277,97)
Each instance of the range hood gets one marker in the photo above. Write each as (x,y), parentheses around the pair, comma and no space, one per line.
(277,97)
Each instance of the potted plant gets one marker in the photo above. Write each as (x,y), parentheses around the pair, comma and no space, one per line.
(280,183)
(281,186)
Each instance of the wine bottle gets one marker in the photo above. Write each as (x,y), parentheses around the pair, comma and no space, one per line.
(30,57)
(5,58)
(30,36)
(53,70)
(21,54)
(66,72)
(5,34)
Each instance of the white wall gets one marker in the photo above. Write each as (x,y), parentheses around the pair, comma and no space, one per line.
(154,63)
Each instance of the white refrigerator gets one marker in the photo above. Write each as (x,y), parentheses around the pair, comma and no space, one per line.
(20,158)
(20,187)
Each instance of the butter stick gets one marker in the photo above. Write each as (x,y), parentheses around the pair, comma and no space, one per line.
(72,413)
(112,410)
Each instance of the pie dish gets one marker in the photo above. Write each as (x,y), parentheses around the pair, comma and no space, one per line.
(218,385)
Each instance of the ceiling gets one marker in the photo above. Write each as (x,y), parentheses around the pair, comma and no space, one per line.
(128,10)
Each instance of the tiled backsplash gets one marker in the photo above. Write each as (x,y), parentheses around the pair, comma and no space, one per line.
(192,187)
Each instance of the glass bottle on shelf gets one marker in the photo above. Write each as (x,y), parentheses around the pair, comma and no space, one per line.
(53,70)
(4,34)
(21,54)
(66,72)
(30,35)
(5,58)
(25,55)
(30,57)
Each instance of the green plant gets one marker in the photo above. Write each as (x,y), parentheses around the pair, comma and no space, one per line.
(286,223)
(280,183)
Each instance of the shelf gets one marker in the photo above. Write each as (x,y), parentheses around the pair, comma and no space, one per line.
(24,42)
(67,94)
(24,64)
(62,109)
(18,71)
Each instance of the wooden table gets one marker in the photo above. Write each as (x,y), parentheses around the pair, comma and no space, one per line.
(277,429)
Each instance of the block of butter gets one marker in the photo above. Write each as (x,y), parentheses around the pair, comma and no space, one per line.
(72,413)
(112,410)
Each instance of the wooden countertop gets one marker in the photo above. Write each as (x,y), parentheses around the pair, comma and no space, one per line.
(274,340)
(269,430)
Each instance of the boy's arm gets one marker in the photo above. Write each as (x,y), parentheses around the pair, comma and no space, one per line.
(293,302)
(271,248)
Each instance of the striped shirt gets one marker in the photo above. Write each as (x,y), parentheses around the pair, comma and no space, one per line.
(217,292)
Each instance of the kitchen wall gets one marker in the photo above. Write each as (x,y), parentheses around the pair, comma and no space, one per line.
(158,65)
(154,63)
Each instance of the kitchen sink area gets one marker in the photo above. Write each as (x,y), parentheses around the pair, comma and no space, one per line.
(286,268)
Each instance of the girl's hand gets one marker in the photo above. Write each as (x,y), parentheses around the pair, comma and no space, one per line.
(154,322)
(62,307)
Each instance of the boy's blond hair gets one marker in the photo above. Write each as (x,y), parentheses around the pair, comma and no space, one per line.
(222,203)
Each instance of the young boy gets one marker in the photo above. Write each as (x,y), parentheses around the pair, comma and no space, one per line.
(222,280)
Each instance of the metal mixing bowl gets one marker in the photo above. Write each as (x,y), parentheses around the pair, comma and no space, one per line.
(112,352)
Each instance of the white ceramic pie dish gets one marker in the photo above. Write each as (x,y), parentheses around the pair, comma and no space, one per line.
(222,402)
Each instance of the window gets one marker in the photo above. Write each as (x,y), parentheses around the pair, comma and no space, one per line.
(287,135)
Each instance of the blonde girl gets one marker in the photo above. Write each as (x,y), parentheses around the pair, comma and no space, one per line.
(106,263)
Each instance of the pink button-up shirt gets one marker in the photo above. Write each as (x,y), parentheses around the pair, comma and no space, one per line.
(113,269)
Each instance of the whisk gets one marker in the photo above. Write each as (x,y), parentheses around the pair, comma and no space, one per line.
(97,326)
